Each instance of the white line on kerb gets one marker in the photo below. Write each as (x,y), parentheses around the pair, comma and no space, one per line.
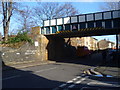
(46,69)
(11,77)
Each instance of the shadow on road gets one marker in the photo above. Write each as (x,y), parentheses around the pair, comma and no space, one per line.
(16,78)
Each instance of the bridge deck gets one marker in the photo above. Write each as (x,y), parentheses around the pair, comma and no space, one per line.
(94,24)
(87,32)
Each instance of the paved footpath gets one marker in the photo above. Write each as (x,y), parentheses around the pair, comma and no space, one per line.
(111,68)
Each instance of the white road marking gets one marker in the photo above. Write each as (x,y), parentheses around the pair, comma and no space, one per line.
(78,77)
(69,81)
(63,85)
(11,77)
(110,84)
(71,86)
(46,69)
(82,75)
(80,81)
(74,79)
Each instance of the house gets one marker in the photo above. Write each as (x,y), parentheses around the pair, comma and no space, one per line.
(105,44)
(89,42)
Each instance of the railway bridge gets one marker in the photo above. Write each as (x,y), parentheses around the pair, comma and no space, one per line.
(83,25)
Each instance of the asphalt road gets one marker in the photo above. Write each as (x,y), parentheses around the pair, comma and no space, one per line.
(60,75)
(55,76)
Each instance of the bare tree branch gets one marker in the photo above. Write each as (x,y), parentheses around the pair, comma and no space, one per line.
(26,18)
(110,6)
(53,10)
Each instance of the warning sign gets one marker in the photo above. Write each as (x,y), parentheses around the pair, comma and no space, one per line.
(74,27)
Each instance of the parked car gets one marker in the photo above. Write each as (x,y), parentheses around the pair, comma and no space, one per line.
(82,51)
(113,54)
(111,51)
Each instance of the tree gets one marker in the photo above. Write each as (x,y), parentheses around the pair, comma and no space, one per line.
(25,18)
(110,6)
(53,10)
(11,10)
(7,13)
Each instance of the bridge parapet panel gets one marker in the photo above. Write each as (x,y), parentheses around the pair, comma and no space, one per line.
(107,20)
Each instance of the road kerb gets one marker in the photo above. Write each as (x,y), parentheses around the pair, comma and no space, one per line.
(93,71)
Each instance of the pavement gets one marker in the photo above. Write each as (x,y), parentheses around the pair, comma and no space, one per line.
(109,69)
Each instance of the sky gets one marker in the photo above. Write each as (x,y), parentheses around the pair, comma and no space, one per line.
(83,8)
